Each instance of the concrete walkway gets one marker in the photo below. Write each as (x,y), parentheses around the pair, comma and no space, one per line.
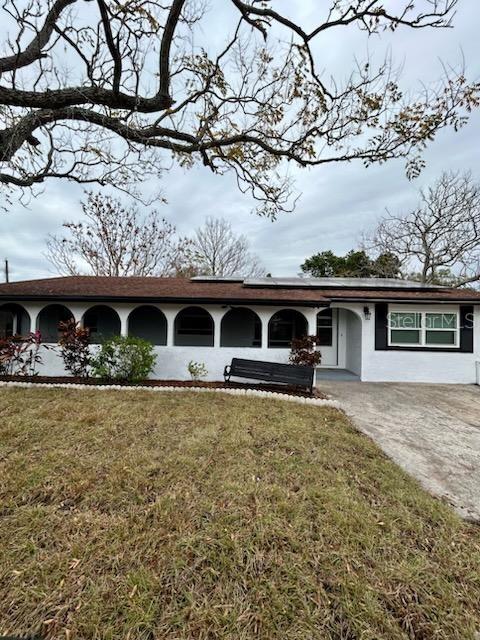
(432,431)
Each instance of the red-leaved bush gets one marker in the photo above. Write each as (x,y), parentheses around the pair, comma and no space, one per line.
(20,355)
(74,348)
(303,351)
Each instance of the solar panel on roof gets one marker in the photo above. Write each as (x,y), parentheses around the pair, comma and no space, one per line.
(217,278)
(349,283)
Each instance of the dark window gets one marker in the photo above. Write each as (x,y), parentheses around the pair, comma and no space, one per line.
(195,324)
(103,323)
(325,328)
(7,324)
(148,323)
(241,328)
(194,328)
(49,320)
(284,326)
(257,333)
(16,320)
(91,323)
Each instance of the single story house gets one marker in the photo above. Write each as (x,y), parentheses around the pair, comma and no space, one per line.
(377,329)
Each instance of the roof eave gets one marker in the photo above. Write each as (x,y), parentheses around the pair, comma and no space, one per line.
(408,300)
(171,300)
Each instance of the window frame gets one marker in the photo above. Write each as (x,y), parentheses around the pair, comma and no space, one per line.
(190,335)
(189,327)
(333,317)
(297,316)
(423,311)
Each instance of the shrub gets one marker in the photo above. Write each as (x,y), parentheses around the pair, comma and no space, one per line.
(20,355)
(303,351)
(197,370)
(74,348)
(124,358)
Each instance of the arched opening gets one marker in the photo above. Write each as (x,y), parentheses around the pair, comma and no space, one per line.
(148,323)
(194,328)
(241,328)
(14,320)
(284,326)
(49,319)
(103,323)
(342,354)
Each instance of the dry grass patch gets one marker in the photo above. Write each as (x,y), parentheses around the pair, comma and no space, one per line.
(174,516)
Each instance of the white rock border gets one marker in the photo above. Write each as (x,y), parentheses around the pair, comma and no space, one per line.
(318,402)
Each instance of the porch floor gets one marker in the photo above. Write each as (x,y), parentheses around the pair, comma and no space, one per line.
(343,375)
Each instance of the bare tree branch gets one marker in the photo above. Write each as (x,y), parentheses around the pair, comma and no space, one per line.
(34,50)
(117,240)
(116,56)
(440,238)
(108,94)
(164,67)
(217,251)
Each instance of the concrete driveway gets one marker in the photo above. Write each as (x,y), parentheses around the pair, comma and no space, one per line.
(432,431)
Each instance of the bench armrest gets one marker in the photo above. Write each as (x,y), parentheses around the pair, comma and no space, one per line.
(226,373)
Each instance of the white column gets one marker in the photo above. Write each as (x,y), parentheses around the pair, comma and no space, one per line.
(217,315)
(265,318)
(311,316)
(33,312)
(216,332)
(78,311)
(170,315)
(123,315)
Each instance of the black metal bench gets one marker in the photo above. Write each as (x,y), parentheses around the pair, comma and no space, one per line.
(273,372)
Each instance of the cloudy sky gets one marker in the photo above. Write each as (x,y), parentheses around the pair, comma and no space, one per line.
(336,202)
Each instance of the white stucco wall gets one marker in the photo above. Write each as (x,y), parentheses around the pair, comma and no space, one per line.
(356,338)
(415,366)
(172,361)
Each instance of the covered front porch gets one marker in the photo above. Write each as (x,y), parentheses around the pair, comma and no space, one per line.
(206,333)
(339,336)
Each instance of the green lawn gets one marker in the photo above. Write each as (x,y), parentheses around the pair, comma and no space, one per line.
(130,515)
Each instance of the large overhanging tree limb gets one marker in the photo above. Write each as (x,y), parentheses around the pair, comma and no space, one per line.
(34,51)
(105,91)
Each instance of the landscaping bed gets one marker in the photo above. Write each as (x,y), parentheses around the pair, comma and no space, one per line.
(274,388)
(201,516)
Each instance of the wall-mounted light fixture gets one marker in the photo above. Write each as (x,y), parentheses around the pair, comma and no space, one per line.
(367,313)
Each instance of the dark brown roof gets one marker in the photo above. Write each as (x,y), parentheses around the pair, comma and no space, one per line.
(152,289)
(440,294)
(184,290)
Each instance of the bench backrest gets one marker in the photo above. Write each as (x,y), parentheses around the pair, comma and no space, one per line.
(272,371)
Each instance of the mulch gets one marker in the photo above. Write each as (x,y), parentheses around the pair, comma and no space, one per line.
(275,388)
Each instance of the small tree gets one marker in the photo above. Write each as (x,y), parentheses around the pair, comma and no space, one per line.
(218,251)
(75,348)
(303,351)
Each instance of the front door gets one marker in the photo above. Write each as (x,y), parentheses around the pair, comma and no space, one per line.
(327,337)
